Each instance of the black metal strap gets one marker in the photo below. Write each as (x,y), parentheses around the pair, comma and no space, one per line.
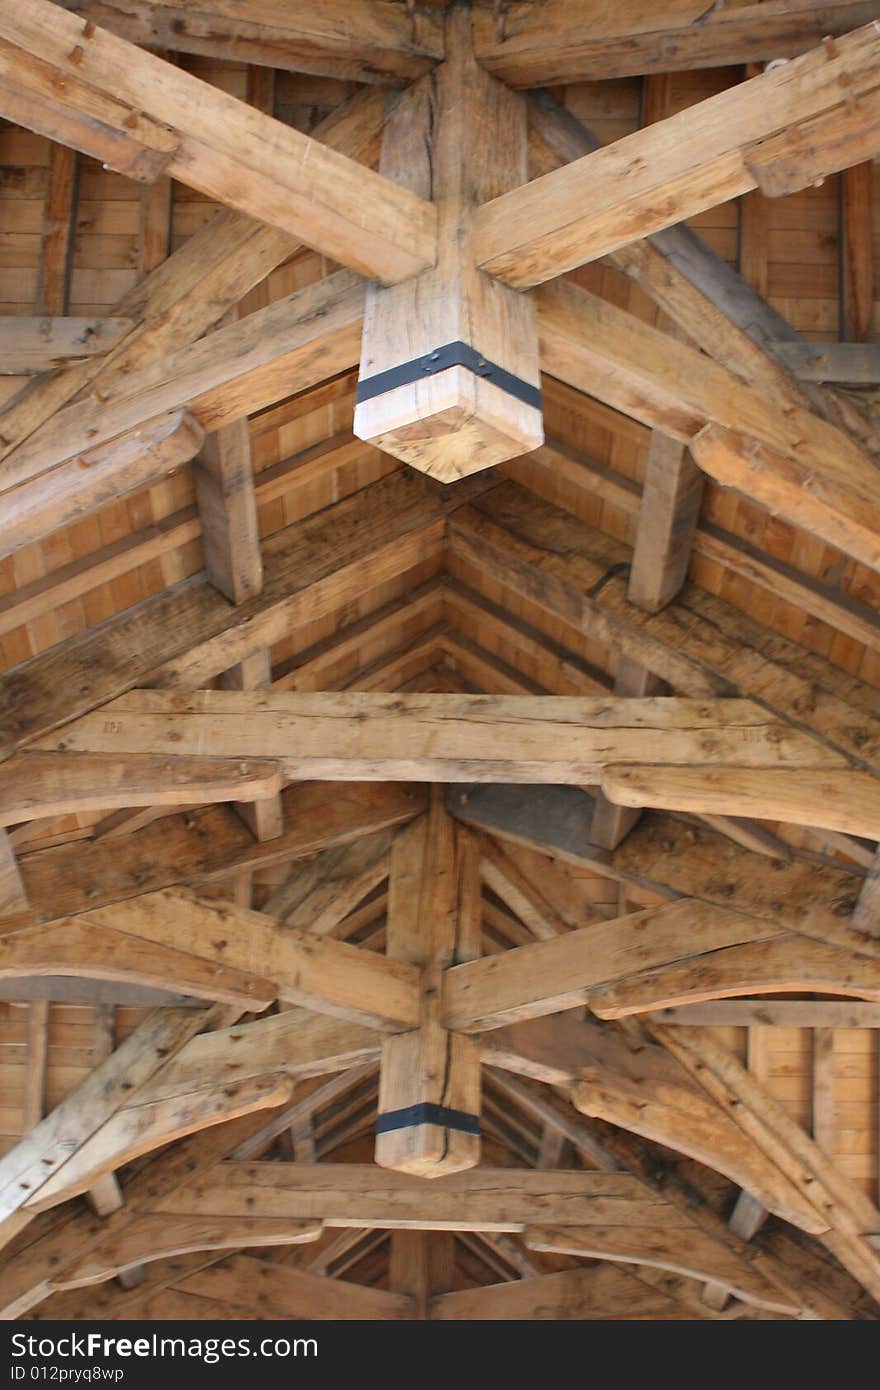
(428,1114)
(450,355)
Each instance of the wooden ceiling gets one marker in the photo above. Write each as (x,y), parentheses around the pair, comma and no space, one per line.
(440,650)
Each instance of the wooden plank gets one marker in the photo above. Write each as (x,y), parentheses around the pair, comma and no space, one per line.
(40,343)
(429,1086)
(821,1014)
(545,44)
(710,151)
(563,739)
(64,989)
(358,40)
(460,138)
(32,787)
(478,1199)
(210,140)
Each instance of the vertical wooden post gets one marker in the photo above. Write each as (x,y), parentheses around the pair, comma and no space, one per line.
(857,253)
(59,221)
(429,1090)
(450,375)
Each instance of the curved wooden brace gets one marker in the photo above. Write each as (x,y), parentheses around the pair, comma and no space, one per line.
(146,1126)
(34,784)
(690,1252)
(845,801)
(153,1237)
(786,963)
(698,1130)
(80,947)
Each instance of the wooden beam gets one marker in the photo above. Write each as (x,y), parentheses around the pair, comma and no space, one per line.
(294,343)
(86,949)
(772,1013)
(38,344)
(357,40)
(44,1153)
(429,1091)
(47,501)
(849,803)
(611,821)
(738,955)
(812,473)
(549,44)
(59,216)
(228,510)
(671,858)
(50,1246)
(775,576)
(149,1238)
(854,364)
(866,910)
(582,1294)
(191,292)
(315,972)
(691,1253)
(834,507)
(478,1199)
(145,117)
(850,1215)
(748,136)
(266,1289)
(563,739)
(32,786)
(857,253)
(671,497)
(700,644)
(311,569)
(458,138)
(422,1265)
(208,845)
(704,295)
